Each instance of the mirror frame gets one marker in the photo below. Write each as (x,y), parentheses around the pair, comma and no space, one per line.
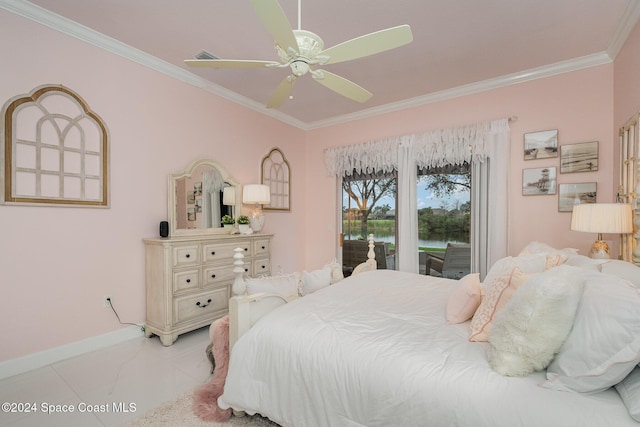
(173,178)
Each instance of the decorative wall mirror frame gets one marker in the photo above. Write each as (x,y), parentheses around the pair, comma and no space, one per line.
(55,150)
(196,199)
(629,186)
(275,173)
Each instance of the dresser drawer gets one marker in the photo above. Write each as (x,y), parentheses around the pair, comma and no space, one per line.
(185,255)
(186,280)
(218,274)
(206,303)
(261,266)
(261,247)
(212,252)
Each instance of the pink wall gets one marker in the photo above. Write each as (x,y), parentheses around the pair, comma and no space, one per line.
(578,104)
(56,264)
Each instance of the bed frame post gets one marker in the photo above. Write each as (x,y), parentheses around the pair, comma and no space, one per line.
(239,287)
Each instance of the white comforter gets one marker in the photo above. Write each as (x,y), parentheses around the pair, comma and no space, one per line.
(374,350)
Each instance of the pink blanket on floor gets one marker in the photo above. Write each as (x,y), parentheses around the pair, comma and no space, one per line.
(205,398)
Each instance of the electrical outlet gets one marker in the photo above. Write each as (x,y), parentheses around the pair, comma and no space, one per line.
(105,301)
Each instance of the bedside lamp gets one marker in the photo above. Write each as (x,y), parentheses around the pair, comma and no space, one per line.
(615,218)
(257,194)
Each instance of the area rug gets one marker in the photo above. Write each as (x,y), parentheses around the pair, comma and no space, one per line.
(179,412)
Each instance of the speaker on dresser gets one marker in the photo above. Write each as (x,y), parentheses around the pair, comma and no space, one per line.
(164,228)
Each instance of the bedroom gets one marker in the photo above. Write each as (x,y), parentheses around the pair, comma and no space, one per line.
(57,264)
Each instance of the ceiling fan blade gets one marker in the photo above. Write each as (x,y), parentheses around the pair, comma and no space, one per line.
(342,86)
(276,23)
(229,63)
(282,92)
(369,44)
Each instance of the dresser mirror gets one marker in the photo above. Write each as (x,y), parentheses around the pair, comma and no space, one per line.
(199,197)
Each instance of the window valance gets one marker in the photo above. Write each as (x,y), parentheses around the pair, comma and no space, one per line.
(451,146)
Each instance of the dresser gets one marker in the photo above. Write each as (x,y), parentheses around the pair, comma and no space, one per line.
(189,278)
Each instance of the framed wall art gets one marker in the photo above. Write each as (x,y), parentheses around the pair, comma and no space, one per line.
(541,145)
(539,181)
(275,173)
(581,157)
(570,195)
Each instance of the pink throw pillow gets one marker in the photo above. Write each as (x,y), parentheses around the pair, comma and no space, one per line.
(498,295)
(464,301)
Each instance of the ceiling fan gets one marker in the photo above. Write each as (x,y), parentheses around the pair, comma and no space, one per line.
(302,51)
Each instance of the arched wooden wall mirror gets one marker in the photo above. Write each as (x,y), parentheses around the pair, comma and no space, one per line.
(55,150)
(277,175)
(199,197)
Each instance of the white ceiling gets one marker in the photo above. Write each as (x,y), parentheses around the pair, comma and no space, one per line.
(459,46)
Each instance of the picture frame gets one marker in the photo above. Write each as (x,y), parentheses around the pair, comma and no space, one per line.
(580,157)
(197,189)
(570,195)
(191,197)
(541,145)
(539,181)
(191,214)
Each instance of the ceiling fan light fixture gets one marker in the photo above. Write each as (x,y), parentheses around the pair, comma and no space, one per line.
(299,68)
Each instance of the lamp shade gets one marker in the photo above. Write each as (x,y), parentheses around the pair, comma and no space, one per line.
(228,196)
(256,193)
(602,218)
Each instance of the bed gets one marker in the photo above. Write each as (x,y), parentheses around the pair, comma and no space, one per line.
(375,349)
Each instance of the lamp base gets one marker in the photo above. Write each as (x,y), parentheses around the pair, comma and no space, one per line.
(599,250)
(257,221)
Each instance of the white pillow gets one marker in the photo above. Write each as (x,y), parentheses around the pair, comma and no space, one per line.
(629,391)
(530,329)
(554,256)
(314,281)
(285,285)
(336,271)
(527,264)
(584,262)
(622,269)
(604,344)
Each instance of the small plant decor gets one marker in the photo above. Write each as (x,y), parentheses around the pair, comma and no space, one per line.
(243,219)
(228,220)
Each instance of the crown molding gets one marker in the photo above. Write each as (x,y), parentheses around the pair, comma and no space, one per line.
(472,88)
(72,28)
(629,20)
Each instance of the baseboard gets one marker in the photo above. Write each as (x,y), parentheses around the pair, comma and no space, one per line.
(37,360)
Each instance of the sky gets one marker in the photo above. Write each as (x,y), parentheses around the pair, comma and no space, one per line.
(426,199)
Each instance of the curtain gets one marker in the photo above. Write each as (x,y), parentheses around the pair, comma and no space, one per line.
(485,145)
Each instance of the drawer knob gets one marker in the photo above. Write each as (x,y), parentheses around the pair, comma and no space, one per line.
(246,249)
(246,269)
(188,280)
(188,256)
(264,247)
(199,304)
(213,252)
(213,276)
(264,266)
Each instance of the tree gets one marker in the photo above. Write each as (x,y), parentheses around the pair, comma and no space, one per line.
(442,184)
(366,193)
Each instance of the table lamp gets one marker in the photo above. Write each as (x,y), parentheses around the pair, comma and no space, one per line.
(615,218)
(259,195)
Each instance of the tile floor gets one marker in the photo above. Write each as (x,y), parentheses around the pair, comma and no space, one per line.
(138,373)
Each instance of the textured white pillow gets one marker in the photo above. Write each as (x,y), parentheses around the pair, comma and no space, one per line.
(622,269)
(336,271)
(285,285)
(530,329)
(629,391)
(315,280)
(555,257)
(527,264)
(604,344)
